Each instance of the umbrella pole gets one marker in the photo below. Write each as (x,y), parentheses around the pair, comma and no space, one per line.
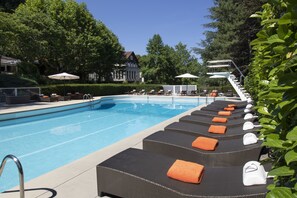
(64,88)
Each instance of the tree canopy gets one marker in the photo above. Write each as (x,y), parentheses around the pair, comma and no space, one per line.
(230,31)
(162,62)
(58,35)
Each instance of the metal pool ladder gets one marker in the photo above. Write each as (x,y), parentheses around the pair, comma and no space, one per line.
(21,173)
(90,98)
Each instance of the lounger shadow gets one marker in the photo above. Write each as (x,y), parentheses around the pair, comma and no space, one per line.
(198,129)
(136,173)
(177,145)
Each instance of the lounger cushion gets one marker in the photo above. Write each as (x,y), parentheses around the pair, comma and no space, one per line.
(217,129)
(185,171)
(205,143)
(224,113)
(229,109)
(219,120)
(232,105)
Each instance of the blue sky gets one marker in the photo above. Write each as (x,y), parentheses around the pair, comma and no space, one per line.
(136,21)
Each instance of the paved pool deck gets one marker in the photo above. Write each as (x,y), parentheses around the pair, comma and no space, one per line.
(77,179)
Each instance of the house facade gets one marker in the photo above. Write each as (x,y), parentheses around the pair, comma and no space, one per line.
(8,64)
(129,71)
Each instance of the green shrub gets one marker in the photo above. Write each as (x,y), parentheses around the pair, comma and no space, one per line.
(273,83)
(113,89)
(98,89)
(16,81)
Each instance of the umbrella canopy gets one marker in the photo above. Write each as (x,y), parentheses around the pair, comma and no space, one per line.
(186,75)
(217,76)
(63,76)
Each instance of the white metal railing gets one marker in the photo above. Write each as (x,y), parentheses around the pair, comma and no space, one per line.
(16,91)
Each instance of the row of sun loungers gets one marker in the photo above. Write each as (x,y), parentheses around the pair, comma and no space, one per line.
(221,168)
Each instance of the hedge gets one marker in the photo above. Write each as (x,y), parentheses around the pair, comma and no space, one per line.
(112,89)
(98,89)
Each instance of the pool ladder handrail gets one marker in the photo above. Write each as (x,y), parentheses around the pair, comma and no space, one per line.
(20,169)
(87,96)
(90,98)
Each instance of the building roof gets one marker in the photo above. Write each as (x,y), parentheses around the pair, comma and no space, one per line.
(8,60)
(130,53)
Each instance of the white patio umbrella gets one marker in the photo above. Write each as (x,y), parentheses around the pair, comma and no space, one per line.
(217,76)
(186,75)
(63,76)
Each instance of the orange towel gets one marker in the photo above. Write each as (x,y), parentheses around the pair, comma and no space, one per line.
(186,171)
(205,143)
(217,129)
(220,120)
(224,113)
(232,105)
(229,108)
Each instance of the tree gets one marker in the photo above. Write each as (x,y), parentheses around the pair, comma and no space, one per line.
(154,61)
(163,63)
(62,36)
(231,31)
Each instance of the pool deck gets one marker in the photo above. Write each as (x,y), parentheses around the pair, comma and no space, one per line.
(76,179)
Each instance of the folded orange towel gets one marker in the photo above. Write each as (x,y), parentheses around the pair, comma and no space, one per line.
(224,113)
(217,129)
(229,108)
(205,143)
(186,171)
(220,120)
(232,105)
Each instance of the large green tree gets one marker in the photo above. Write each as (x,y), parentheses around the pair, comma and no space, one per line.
(154,62)
(230,31)
(162,62)
(61,36)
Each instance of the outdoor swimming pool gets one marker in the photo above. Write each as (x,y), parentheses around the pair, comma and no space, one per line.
(52,140)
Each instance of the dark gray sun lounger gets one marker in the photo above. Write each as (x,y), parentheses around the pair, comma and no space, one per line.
(239,104)
(196,130)
(136,173)
(204,120)
(218,108)
(213,113)
(178,145)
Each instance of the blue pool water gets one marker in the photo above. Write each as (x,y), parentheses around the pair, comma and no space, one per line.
(53,140)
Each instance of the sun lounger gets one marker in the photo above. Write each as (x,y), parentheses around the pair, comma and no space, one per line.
(205,120)
(136,173)
(214,113)
(232,132)
(219,105)
(217,108)
(239,104)
(178,145)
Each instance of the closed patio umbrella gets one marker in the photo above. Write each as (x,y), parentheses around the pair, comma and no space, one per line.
(63,76)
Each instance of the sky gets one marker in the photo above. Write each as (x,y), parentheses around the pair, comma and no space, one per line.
(134,22)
